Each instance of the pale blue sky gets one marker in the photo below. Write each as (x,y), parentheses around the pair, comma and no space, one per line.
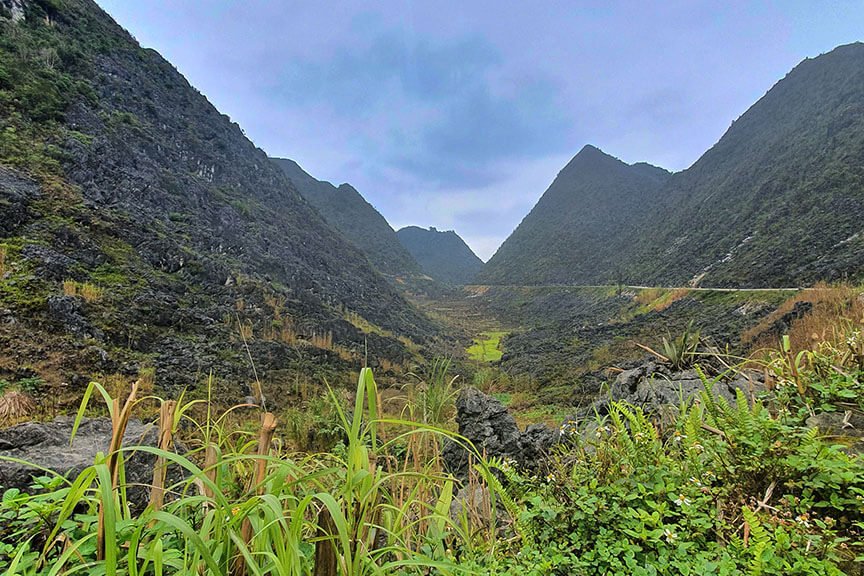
(459,114)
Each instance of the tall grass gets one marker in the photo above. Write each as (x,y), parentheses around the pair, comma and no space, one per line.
(243,504)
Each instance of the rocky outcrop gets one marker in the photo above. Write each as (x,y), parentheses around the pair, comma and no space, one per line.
(46,446)
(655,387)
(493,431)
(18,193)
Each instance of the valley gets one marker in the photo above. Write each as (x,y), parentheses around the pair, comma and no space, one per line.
(214,362)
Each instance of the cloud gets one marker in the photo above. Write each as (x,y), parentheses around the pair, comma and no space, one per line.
(442,112)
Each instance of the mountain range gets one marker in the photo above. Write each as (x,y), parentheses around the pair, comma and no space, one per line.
(357,220)
(143,235)
(778,201)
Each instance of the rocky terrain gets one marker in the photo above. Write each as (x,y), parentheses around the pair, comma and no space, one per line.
(363,226)
(443,255)
(776,202)
(564,340)
(142,232)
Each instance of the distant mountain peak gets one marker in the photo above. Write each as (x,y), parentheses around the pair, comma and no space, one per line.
(777,201)
(442,254)
(345,209)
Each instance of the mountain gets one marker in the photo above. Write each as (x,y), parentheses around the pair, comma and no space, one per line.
(442,255)
(142,233)
(579,227)
(778,201)
(357,220)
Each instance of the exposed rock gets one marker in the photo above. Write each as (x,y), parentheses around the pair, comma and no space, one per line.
(476,502)
(848,427)
(67,311)
(655,388)
(46,445)
(49,263)
(492,429)
(16,194)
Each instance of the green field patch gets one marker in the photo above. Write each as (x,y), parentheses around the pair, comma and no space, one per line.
(486,347)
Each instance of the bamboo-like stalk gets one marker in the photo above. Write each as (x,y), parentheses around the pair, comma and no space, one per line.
(265,438)
(160,467)
(210,469)
(119,421)
(326,562)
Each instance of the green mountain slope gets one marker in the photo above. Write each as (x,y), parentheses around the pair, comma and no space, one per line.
(442,255)
(141,230)
(778,201)
(577,231)
(357,220)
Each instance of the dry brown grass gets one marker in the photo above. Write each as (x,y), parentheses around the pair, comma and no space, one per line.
(15,407)
(659,299)
(245,329)
(345,354)
(324,341)
(280,331)
(832,307)
(670,298)
(88,292)
(2,260)
(647,296)
(390,367)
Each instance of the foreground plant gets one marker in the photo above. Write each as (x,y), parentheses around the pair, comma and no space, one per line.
(239,507)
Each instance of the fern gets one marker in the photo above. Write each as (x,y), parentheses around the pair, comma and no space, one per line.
(760,539)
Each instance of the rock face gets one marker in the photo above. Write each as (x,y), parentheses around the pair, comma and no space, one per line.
(356,219)
(655,387)
(777,201)
(492,429)
(47,445)
(123,177)
(580,225)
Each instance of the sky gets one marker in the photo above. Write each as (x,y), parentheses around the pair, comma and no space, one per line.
(459,114)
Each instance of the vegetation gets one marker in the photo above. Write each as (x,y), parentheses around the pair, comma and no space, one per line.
(748,487)
(486,347)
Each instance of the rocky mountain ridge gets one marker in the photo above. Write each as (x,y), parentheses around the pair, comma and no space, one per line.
(443,255)
(776,202)
(359,222)
(143,232)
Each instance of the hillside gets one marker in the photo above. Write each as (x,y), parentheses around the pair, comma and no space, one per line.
(577,231)
(442,255)
(778,201)
(142,233)
(357,220)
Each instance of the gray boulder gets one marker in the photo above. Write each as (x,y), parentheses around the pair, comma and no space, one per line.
(655,388)
(847,427)
(494,433)
(46,445)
